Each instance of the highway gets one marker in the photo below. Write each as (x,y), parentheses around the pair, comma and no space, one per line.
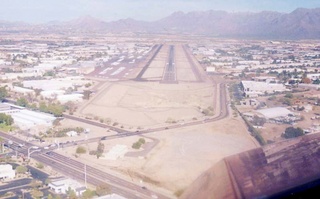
(220,105)
(75,170)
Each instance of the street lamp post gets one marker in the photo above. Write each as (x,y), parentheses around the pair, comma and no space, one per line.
(29,153)
(85,175)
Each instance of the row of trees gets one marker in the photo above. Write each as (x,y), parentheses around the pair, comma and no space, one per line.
(139,143)
(6,119)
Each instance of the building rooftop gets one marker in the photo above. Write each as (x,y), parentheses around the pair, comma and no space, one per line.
(274,112)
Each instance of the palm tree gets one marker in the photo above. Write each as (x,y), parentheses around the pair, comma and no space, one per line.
(1,144)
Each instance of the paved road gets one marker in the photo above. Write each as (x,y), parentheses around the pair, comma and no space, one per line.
(75,169)
(222,107)
(15,185)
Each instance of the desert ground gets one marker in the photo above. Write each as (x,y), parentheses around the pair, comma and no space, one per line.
(179,155)
(150,103)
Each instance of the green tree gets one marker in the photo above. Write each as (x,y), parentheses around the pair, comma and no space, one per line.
(56,109)
(103,189)
(3,93)
(100,149)
(142,140)
(288,95)
(21,169)
(22,102)
(35,193)
(136,145)
(71,194)
(50,73)
(81,150)
(43,107)
(47,181)
(88,194)
(35,183)
(39,165)
(6,119)
(292,132)
(287,101)
(258,121)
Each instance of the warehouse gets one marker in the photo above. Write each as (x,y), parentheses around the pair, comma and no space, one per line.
(280,115)
(275,112)
(26,119)
(255,89)
(6,171)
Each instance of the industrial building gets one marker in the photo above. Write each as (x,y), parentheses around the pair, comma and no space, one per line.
(62,185)
(275,112)
(7,172)
(279,115)
(26,119)
(255,89)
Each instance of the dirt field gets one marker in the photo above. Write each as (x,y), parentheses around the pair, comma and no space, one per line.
(147,104)
(180,155)
(179,158)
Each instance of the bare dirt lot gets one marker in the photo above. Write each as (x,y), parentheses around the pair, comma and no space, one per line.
(150,103)
(180,156)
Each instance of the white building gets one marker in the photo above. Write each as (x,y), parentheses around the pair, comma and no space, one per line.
(52,94)
(254,89)
(21,90)
(275,112)
(62,185)
(72,133)
(6,171)
(210,69)
(314,76)
(26,119)
(70,98)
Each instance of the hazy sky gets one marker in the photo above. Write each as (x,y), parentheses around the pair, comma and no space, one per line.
(38,11)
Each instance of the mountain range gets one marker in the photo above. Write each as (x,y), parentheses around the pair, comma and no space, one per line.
(302,23)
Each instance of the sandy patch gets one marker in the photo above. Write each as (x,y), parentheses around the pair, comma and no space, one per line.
(150,103)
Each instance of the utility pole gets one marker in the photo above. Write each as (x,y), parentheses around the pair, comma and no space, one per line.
(85,175)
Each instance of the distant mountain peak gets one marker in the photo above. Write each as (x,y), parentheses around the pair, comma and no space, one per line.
(301,23)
